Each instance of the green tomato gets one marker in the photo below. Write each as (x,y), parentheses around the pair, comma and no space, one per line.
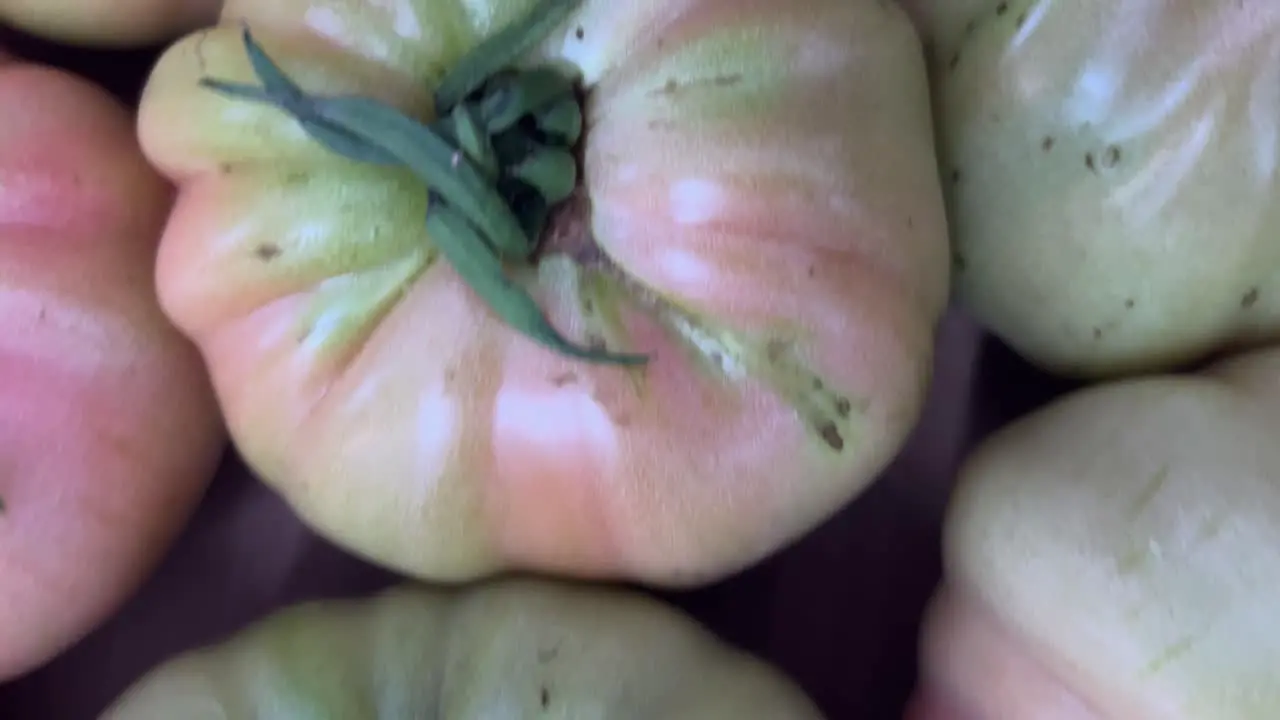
(514,648)
(1111,176)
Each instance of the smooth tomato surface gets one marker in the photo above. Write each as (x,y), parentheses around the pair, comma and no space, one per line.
(1113,557)
(108,427)
(515,648)
(108,23)
(1112,170)
(772,230)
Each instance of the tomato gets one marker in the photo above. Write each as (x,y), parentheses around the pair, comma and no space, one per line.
(109,429)
(759,221)
(512,648)
(942,22)
(1111,174)
(108,23)
(1113,555)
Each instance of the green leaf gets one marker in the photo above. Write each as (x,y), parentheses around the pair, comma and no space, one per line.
(553,173)
(443,167)
(334,139)
(515,95)
(500,51)
(473,140)
(483,272)
(561,120)
(389,133)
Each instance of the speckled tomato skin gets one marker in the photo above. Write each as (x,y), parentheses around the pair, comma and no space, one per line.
(773,219)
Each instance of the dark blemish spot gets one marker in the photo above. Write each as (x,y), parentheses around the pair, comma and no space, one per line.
(1111,157)
(225,168)
(1002,8)
(596,342)
(1022,20)
(812,271)
(831,436)
(579,33)
(817,385)
(545,697)
(267,252)
(911,222)
(727,80)
(1097,333)
(843,407)
(671,86)
(970,26)
(955,61)
(1250,298)
(588,306)
(1089,162)
(958,262)
(1047,143)
(3,507)
(566,378)
(42,314)
(955,177)
(774,350)
(1128,303)
(450,375)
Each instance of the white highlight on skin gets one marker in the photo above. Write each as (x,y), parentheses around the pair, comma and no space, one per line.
(404,21)
(683,268)
(328,23)
(694,201)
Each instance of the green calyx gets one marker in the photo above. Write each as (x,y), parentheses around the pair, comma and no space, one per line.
(498,158)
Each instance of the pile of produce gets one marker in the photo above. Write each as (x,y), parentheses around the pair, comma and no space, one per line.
(548,306)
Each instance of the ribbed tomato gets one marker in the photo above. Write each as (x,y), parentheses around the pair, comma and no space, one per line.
(1113,556)
(757,224)
(516,648)
(108,427)
(1112,169)
(108,23)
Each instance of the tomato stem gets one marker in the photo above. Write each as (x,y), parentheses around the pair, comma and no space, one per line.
(498,158)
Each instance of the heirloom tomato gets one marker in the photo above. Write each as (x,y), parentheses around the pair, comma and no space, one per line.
(735,307)
(108,23)
(108,426)
(1112,169)
(1113,556)
(515,648)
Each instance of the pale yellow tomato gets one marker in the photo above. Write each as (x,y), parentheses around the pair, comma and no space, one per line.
(1113,176)
(109,431)
(1114,556)
(516,648)
(759,215)
(108,23)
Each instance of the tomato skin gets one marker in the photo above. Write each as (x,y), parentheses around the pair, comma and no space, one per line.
(108,426)
(777,214)
(1112,555)
(108,23)
(1113,193)
(506,649)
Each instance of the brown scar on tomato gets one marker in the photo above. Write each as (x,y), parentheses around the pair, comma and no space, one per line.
(830,415)
(1250,298)
(267,251)
(564,378)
